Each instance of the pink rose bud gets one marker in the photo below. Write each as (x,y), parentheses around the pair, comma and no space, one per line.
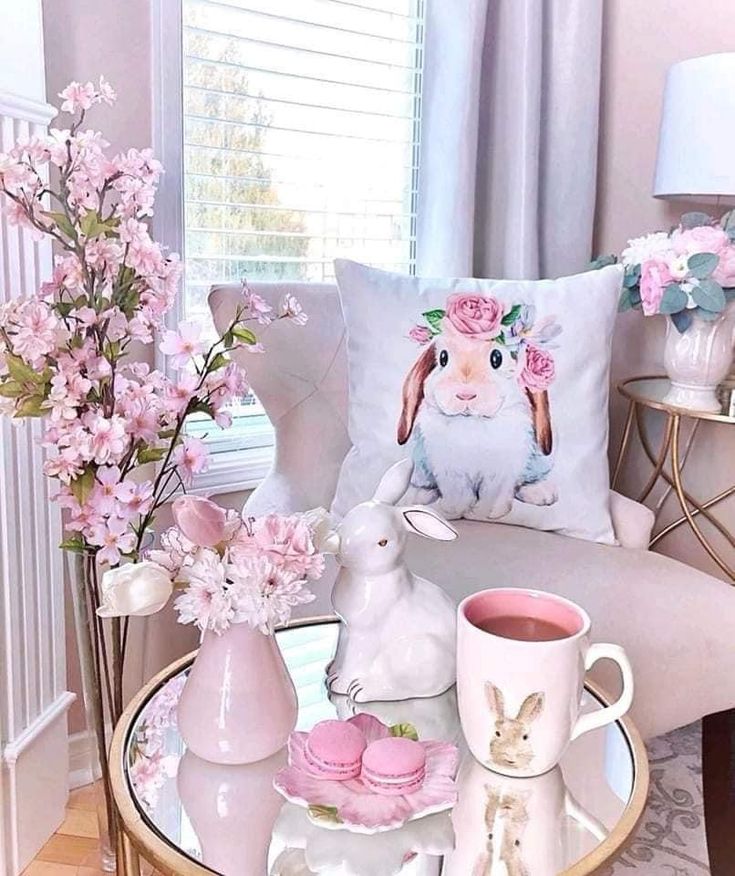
(421,334)
(477,316)
(200,520)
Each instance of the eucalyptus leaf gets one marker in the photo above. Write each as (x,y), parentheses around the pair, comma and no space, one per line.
(727,221)
(635,296)
(696,218)
(632,276)
(603,261)
(682,320)
(729,294)
(707,315)
(709,295)
(701,264)
(625,303)
(674,299)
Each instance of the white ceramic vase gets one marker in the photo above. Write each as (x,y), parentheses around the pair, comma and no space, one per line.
(239,704)
(698,359)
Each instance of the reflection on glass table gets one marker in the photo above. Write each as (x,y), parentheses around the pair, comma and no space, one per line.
(232,820)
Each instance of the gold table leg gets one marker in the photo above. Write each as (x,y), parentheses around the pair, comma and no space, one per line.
(624,441)
(685,500)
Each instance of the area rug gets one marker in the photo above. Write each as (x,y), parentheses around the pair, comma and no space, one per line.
(670,839)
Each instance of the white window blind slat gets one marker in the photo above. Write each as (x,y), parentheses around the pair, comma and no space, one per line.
(301,124)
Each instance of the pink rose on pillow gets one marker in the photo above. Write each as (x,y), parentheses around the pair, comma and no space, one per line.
(703,238)
(475,315)
(655,277)
(538,370)
(724,273)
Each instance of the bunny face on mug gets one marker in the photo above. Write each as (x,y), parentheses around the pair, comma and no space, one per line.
(511,744)
(481,431)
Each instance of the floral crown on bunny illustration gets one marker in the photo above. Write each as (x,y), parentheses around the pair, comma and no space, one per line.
(484,318)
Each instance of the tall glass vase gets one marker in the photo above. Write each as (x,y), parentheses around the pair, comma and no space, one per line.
(97,691)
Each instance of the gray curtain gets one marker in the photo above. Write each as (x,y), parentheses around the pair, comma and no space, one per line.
(509,137)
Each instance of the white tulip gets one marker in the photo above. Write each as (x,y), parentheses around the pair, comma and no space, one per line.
(137,589)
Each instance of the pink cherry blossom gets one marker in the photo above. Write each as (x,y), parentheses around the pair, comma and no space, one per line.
(77,97)
(200,520)
(177,395)
(142,421)
(192,458)
(258,307)
(184,344)
(135,499)
(114,538)
(292,309)
(108,441)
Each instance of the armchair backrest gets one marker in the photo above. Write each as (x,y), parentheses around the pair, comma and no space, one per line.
(301,381)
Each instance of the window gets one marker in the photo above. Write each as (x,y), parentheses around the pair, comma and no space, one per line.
(298,142)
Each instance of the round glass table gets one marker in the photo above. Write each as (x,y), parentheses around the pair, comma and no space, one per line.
(187,816)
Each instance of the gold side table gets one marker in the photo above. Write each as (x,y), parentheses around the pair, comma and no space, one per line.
(670,458)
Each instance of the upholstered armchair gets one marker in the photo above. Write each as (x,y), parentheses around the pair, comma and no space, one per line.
(676,623)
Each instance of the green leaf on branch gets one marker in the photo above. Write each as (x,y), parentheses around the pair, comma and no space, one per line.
(202,408)
(89,224)
(82,486)
(244,334)
(75,544)
(219,361)
(62,223)
(31,407)
(405,730)
(166,434)
(709,295)
(682,320)
(21,371)
(674,299)
(11,389)
(701,264)
(512,315)
(434,318)
(151,454)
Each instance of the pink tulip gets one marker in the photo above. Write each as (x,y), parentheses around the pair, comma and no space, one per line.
(200,520)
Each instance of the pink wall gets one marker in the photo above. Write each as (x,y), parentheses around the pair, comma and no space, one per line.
(641,40)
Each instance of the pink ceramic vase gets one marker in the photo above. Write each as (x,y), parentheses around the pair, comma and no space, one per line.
(239,704)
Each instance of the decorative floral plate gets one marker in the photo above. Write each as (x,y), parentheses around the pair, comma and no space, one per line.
(351,805)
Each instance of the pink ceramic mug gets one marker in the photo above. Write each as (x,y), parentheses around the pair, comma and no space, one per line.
(519,698)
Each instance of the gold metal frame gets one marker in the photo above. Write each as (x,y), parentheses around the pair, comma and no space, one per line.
(670,450)
(138,838)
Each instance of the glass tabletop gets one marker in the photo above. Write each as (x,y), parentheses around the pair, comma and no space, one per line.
(232,820)
(652,392)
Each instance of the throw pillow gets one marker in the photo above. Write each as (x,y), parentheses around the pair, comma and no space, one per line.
(498,389)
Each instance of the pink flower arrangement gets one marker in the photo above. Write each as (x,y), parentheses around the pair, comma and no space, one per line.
(485,318)
(64,352)
(235,570)
(687,273)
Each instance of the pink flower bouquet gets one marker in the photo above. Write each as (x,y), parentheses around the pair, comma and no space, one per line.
(687,272)
(235,570)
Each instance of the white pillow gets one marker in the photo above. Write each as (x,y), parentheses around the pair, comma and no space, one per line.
(497,388)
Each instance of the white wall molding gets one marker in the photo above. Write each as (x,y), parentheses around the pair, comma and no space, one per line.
(37,112)
(33,696)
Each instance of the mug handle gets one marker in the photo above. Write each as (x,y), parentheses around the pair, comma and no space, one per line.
(600,717)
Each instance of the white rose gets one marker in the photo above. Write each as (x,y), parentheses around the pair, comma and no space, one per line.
(137,589)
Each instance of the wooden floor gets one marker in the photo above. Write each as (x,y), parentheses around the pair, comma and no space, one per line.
(73,849)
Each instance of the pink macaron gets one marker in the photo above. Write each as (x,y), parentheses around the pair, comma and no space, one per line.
(394,766)
(334,750)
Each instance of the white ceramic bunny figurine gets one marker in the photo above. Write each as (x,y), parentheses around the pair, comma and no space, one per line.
(398,632)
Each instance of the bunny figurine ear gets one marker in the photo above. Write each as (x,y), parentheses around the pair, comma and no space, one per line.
(394,482)
(424,521)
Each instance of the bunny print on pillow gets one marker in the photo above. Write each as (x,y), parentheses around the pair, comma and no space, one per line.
(478,393)
(499,395)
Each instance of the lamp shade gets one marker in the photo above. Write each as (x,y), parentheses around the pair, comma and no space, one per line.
(696,149)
